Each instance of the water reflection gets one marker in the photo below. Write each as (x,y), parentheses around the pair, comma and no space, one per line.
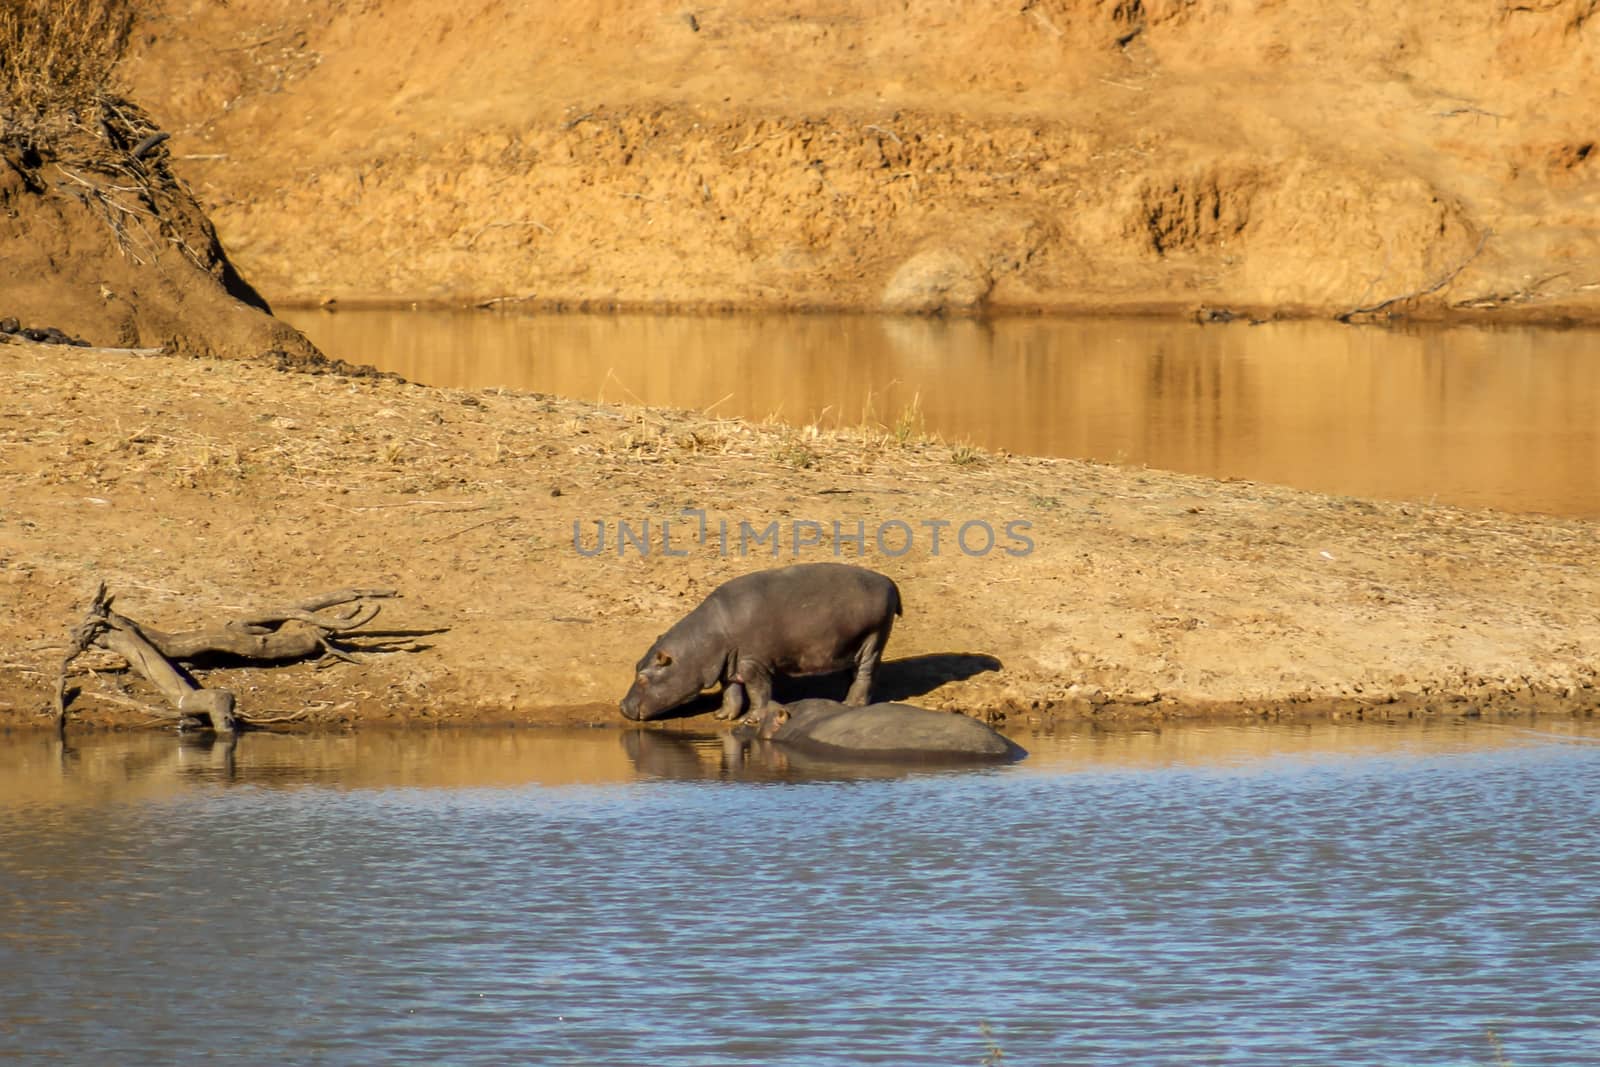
(722,757)
(152,766)
(146,766)
(1242,895)
(1505,417)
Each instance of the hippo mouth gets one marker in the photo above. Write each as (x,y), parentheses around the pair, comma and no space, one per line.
(634,711)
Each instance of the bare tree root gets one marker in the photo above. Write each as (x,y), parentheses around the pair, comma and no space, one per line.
(293,632)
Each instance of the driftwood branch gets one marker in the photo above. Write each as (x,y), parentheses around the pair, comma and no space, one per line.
(296,631)
(1433,287)
(181,691)
(83,638)
(1526,295)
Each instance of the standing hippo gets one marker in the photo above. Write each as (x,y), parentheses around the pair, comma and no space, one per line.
(810,618)
(878,731)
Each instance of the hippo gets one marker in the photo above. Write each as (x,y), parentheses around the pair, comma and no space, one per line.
(878,731)
(810,618)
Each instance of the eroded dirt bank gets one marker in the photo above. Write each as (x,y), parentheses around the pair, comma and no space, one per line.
(1436,157)
(99,236)
(194,487)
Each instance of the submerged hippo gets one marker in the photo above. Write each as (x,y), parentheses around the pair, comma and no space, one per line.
(879,731)
(810,618)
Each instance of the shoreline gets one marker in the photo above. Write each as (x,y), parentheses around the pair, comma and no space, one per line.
(1490,706)
(1149,598)
(1551,316)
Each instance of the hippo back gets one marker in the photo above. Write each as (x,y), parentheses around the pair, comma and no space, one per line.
(891,730)
(806,618)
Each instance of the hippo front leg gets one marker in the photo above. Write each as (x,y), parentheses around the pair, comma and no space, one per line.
(733,697)
(754,681)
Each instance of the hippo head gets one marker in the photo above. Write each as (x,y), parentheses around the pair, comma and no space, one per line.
(770,720)
(662,680)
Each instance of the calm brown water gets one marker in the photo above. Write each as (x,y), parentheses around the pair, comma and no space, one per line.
(1258,897)
(1506,418)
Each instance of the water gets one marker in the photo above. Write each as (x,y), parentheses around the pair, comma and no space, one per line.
(1312,895)
(1506,418)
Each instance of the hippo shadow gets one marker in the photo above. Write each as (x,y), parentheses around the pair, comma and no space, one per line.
(894,681)
(899,680)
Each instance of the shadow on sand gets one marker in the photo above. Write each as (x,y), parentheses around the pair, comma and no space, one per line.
(896,680)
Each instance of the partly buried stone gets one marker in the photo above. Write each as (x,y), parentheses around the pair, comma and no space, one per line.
(50,335)
(938,279)
(43,335)
(879,731)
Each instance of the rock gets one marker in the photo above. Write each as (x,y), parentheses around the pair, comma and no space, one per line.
(938,279)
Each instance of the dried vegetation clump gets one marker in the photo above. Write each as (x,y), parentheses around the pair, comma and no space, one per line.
(101,237)
(56,63)
(69,131)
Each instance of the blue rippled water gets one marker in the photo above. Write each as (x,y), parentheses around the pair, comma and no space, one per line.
(1405,905)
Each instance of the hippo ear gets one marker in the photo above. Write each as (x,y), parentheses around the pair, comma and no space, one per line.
(663,660)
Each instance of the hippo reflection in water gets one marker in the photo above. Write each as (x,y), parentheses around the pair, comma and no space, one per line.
(878,731)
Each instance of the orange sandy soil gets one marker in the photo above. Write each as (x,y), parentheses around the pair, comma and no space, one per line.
(1307,156)
(199,487)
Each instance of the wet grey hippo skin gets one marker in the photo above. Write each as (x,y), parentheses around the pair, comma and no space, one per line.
(878,730)
(810,618)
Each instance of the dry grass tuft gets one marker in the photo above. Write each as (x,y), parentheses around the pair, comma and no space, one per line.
(795,448)
(56,63)
(909,427)
(77,136)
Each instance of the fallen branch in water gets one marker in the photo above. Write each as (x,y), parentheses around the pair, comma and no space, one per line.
(1438,284)
(296,631)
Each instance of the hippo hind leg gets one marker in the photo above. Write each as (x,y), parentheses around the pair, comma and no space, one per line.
(867,658)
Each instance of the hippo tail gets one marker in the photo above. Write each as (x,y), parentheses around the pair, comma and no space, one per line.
(894,595)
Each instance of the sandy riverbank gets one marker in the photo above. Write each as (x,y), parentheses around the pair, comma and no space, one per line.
(194,487)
